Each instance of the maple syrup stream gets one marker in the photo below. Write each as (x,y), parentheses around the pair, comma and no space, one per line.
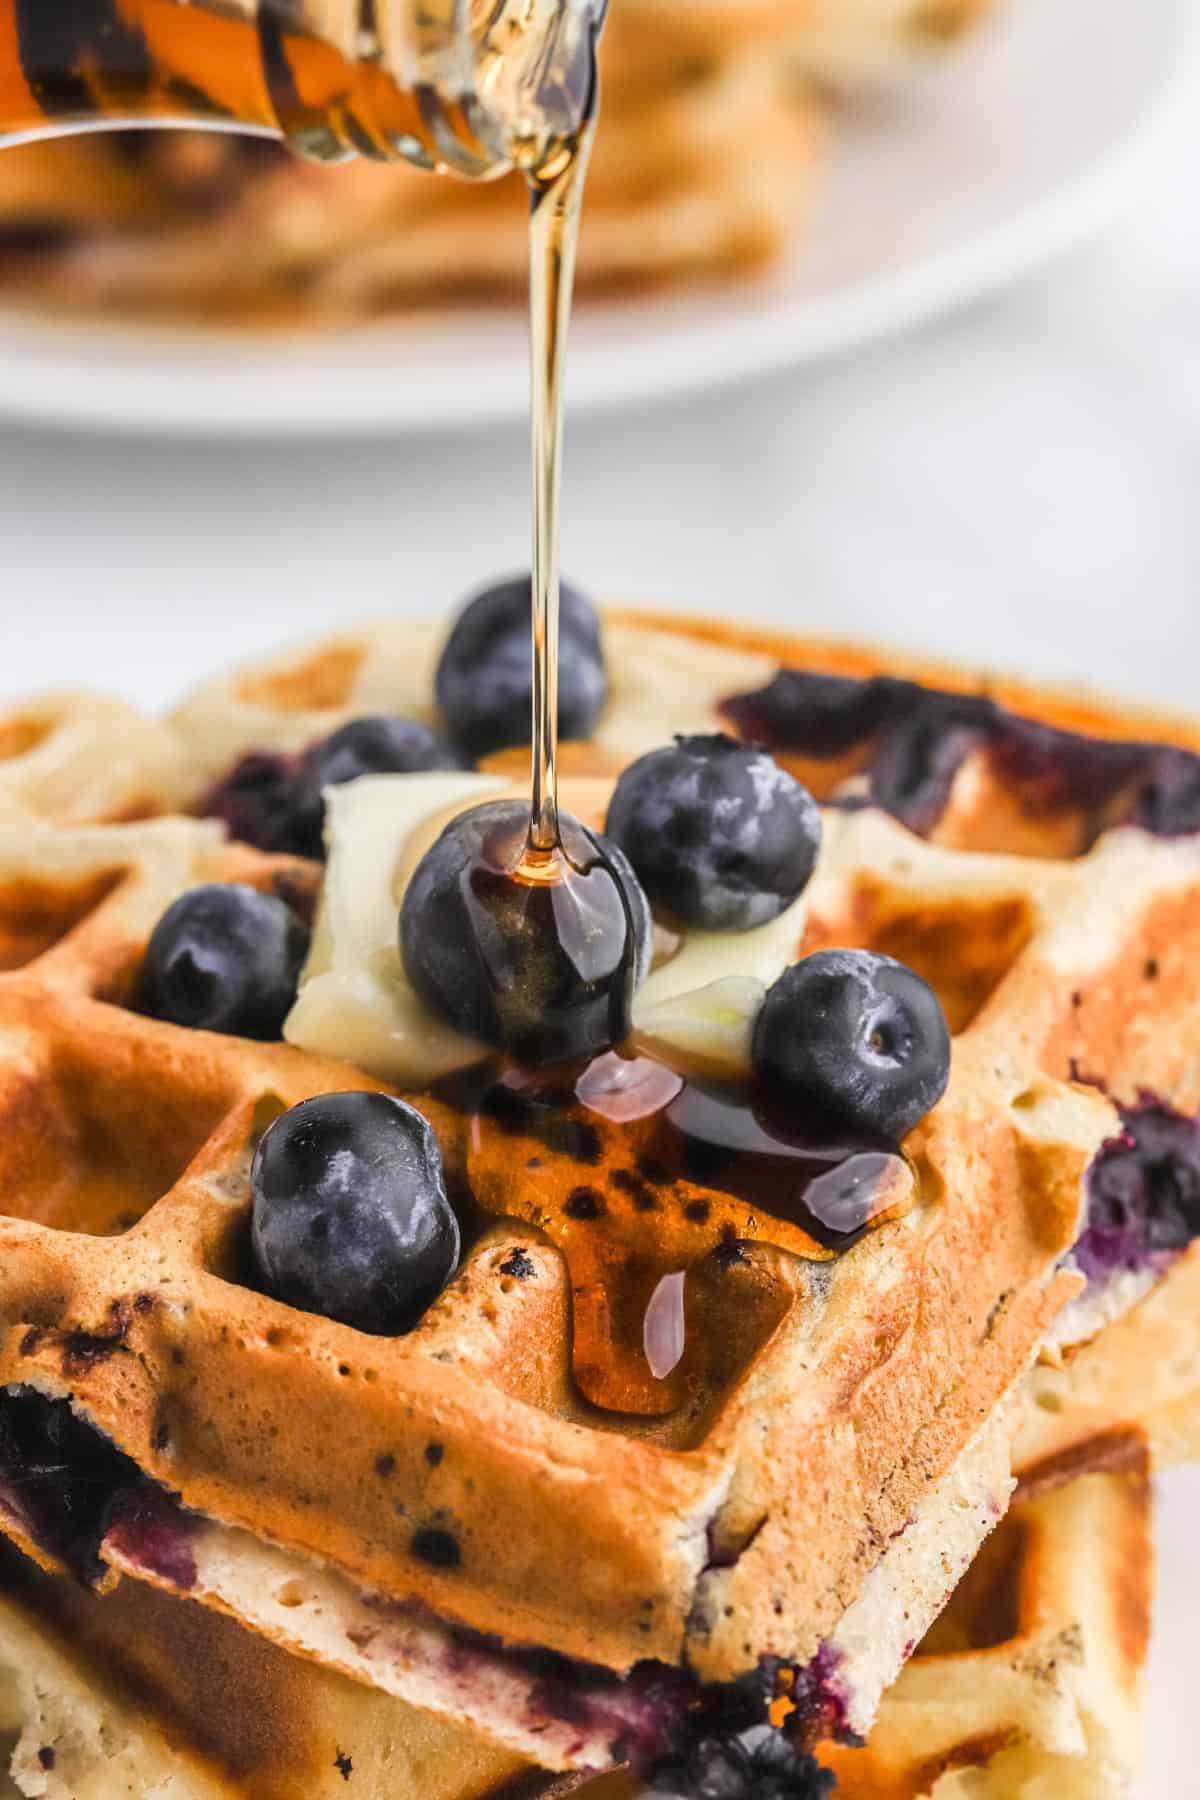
(554,212)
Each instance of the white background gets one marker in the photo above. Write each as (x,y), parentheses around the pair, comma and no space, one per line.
(1020,485)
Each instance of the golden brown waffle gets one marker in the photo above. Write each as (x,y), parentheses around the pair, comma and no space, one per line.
(821,1402)
(138,1693)
(872,1373)
(1031,1676)
(1030,1683)
(83,759)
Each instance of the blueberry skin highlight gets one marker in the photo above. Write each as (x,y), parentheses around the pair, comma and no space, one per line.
(720,837)
(376,745)
(545,970)
(350,1217)
(855,1038)
(226,958)
(484,680)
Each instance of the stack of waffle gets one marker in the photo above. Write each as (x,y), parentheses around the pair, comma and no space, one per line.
(711,139)
(251,1551)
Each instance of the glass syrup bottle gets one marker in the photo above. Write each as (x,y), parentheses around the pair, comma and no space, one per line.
(474,86)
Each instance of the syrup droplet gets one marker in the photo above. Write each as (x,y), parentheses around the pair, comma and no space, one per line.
(848,1197)
(664,1331)
(624,1088)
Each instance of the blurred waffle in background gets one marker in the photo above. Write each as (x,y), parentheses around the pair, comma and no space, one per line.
(714,120)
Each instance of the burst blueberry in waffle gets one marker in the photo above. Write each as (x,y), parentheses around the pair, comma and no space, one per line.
(1032,1675)
(696,1408)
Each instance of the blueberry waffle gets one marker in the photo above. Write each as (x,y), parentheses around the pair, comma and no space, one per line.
(708,1398)
(1029,1683)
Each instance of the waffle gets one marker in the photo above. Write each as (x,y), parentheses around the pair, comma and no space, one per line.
(1028,1684)
(880,1376)
(708,156)
(139,1693)
(1144,1368)
(85,759)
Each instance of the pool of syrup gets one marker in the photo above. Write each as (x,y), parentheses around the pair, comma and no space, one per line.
(669,1197)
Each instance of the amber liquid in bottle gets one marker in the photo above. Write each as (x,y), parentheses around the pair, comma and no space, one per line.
(500,84)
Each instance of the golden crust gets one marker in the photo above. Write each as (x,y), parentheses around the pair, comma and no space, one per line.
(1031,1681)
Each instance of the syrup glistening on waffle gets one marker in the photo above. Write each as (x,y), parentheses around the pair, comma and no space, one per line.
(821,1465)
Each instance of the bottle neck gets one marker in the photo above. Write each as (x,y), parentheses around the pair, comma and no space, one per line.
(474,86)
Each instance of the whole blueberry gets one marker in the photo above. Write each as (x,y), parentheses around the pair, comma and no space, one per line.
(856,1038)
(370,746)
(543,965)
(720,837)
(485,675)
(223,958)
(350,1216)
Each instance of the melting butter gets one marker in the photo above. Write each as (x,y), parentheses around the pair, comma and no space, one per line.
(355,1000)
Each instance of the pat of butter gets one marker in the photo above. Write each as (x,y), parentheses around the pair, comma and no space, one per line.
(705,999)
(355,1000)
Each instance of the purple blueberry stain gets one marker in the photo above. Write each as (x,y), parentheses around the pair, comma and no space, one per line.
(916,738)
(1143,1193)
(72,1490)
(672,1730)
(253,799)
(1168,802)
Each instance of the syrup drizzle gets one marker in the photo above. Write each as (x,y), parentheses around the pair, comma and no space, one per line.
(556,196)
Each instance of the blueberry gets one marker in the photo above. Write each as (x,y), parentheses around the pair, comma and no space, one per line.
(371,746)
(485,675)
(853,1037)
(223,958)
(760,1764)
(254,799)
(543,968)
(350,1215)
(720,837)
(919,755)
(1168,803)
(1143,1192)
(820,715)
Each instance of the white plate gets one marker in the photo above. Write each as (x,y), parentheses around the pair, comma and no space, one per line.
(1010,150)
